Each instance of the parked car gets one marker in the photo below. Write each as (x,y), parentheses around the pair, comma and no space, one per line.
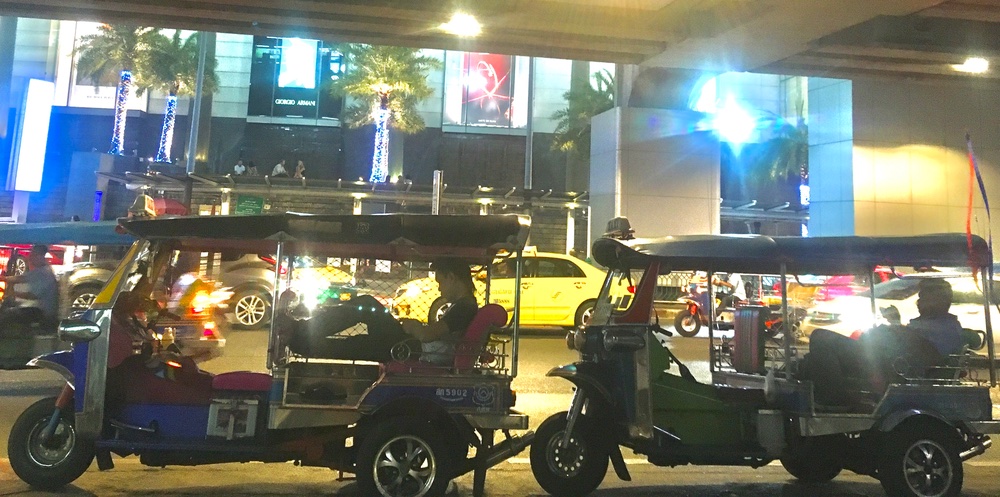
(556,290)
(851,315)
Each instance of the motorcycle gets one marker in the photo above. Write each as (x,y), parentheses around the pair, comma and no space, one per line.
(689,321)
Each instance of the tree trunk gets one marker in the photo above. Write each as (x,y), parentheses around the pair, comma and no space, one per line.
(380,157)
(121,100)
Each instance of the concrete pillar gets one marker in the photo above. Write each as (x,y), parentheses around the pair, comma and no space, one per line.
(647,165)
(831,164)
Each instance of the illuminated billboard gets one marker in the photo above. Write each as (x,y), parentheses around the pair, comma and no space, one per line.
(30,137)
(289,77)
(482,90)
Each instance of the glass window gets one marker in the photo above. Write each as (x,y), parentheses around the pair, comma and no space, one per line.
(557,268)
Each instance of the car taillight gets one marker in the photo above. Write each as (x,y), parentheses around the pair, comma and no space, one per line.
(209,329)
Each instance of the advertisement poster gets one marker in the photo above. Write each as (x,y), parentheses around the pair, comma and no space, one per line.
(487,89)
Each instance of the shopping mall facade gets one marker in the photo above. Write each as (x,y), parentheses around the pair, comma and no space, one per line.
(657,157)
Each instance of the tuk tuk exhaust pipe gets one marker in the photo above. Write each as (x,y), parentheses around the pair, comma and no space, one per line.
(499,453)
(984,443)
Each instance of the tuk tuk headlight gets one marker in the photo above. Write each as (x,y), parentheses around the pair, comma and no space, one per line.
(623,340)
(576,339)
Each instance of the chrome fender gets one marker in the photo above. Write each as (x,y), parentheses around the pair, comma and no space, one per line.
(61,362)
(587,376)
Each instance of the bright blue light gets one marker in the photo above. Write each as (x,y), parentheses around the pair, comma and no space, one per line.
(380,159)
(734,124)
(31,135)
(167,133)
(121,99)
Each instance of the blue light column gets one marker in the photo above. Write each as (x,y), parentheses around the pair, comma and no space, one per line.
(121,99)
(167,133)
(380,159)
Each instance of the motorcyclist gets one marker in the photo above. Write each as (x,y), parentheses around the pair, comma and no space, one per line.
(35,294)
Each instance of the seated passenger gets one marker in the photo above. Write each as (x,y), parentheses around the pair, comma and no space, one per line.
(35,294)
(437,339)
(834,359)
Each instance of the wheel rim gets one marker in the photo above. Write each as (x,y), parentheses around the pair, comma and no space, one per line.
(441,311)
(56,449)
(250,309)
(585,317)
(405,467)
(688,323)
(20,266)
(565,461)
(83,301)
(927,469)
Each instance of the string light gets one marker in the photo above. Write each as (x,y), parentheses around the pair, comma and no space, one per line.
(121,99)
(380,160)
(167,133)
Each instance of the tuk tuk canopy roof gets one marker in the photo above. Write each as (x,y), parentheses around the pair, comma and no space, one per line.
(68,233)
(385,236)
(814,255)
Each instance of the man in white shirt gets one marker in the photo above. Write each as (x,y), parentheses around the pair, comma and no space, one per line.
(35,293)
(736,291)
(279,169)
(239,168)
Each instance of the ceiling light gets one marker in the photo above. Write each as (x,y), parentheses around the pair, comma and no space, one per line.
(974,65)
(462,25)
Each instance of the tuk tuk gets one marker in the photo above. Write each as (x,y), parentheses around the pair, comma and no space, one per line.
(29,340)
(631,391)
(404,426)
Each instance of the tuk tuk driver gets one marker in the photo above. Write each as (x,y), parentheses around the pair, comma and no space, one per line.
(36,293)
(437,339)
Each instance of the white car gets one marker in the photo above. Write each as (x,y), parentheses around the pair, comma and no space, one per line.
(851,315)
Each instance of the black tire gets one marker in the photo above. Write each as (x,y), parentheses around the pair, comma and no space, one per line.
(686,324)
(251,308)
(82,296)
(572,472)
(51,465)
(437,309)
(922,460)
(17,265)
(584,313)
(405,439)
(815,459)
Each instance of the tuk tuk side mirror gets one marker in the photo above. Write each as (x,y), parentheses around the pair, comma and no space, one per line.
(78,330)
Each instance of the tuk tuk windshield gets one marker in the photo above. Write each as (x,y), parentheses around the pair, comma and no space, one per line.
(617,294)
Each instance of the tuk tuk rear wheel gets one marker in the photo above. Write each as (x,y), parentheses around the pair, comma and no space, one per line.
(572,471)
(687,324)
(922,460)
(815,459)
(50,464)
(404,457)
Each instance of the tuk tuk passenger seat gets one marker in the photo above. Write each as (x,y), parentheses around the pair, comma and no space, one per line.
(242,381)
(468,349)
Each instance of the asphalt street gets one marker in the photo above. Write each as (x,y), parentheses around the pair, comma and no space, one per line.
(538,396)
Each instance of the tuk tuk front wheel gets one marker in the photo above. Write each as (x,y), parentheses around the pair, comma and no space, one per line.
(403,457)
(687,324)
(573,470)
(922,460)
(47,464)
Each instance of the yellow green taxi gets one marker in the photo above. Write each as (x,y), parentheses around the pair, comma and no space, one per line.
(556,290)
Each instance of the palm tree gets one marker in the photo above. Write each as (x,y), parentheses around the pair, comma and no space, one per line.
(387,84)
(108,58)
(173,69)
(572,133)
